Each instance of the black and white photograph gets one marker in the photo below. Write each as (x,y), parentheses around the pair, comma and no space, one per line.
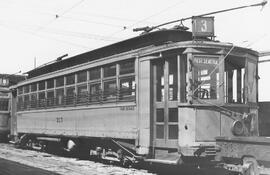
(125,87)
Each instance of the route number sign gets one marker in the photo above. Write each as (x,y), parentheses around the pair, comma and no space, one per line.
(203,26)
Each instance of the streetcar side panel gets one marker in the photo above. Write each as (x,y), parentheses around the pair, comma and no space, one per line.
(114,122)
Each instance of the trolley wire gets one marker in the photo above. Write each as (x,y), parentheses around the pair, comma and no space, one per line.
(45,37)
(57,16)
(144,19)
(65,32)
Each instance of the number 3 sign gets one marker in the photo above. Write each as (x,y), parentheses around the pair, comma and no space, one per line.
(203,26)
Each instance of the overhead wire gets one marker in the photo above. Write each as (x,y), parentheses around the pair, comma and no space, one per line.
(81,35)
(101,16)
(57,16)
(144,19)
(46,37)
(92,22)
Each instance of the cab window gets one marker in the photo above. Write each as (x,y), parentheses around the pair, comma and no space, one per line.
(205,77)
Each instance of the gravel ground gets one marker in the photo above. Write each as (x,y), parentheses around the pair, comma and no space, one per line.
(62,165)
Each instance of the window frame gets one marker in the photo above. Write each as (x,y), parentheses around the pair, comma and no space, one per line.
(190,67)
(60,83)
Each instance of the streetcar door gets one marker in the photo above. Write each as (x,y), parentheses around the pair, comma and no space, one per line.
(165,111)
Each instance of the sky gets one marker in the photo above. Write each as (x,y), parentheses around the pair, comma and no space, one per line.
(34,32)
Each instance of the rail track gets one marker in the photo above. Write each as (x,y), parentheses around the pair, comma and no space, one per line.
(57,164)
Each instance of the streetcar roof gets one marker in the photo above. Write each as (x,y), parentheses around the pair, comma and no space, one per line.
(156,38)
(152,38)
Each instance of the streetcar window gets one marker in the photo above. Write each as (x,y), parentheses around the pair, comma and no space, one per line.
(20,90)
(41,95)
(109,90)
(33,87)
(82,90)
(126,67)
(205,77)
(20,103)
(41,85)
(95,73)
(70,97)
(3,104)
(41,99)
(160,81)
(70,79)
(127,87)
(50,98)
(173,79)
(81,76)
(82,93)
(70,91)
(234,80)
(95,91)
(26,101)
(50,83)
(26,89)
(59,81)
(110,70)
(50,94)
(33,99)
(183,78)
(251,82)
(59,93)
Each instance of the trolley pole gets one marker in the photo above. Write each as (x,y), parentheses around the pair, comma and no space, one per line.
(148,29)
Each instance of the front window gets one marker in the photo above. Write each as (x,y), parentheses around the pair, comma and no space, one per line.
(205,77)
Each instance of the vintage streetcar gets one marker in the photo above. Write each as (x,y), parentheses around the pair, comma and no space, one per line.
(168,96)
(6,80)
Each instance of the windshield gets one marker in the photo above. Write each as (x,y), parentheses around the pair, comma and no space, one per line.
(206,77)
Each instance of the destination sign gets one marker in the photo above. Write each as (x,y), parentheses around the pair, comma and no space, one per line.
(205,60)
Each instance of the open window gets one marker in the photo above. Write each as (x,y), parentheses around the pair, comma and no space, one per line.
(234,76)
